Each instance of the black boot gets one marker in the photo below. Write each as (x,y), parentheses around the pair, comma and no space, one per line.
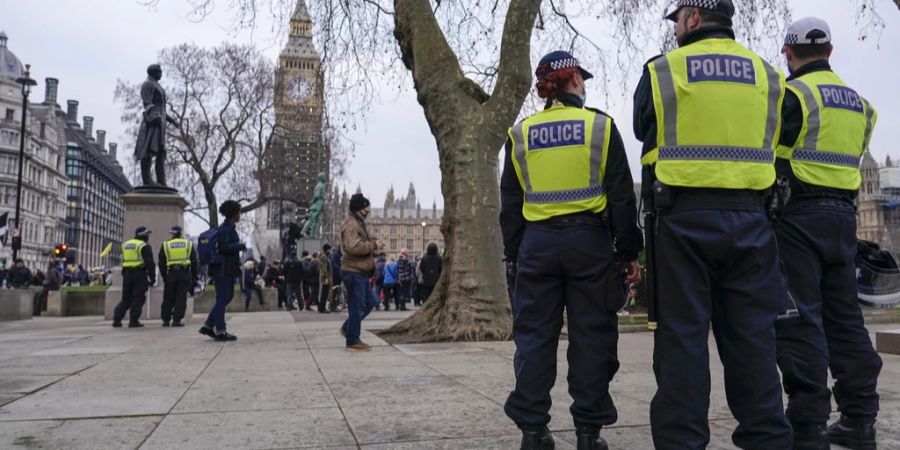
(146,178)
(589,439)
(537,440)
(855,434)
(810,436)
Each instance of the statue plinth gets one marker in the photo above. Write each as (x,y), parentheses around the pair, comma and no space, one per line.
(158,208)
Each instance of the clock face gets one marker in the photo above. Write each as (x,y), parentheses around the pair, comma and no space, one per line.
(299,88)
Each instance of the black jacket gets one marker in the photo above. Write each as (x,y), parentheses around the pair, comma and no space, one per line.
(229,245)
(293,272)
(617,183)
(431,267)
(792,123)
(645,126)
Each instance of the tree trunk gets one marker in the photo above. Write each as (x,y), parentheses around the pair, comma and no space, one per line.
(212,206)
(470,301)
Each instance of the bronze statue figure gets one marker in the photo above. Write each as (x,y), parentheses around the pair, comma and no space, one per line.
(151,140)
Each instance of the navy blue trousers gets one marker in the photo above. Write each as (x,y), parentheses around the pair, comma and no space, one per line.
(717,262)
(566,266)
(817,239)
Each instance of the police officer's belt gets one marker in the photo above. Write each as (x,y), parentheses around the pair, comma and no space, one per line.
(706,198)
(582,218)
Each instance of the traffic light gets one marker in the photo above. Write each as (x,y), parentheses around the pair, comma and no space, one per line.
(61,250)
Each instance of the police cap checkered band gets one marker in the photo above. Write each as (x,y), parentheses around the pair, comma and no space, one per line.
(175,230)
(141,231)
(558,60)
(808,30)
(722,7)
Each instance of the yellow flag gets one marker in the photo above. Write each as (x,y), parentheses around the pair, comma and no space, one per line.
(106,250)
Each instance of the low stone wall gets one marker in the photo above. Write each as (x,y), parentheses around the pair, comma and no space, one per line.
(205,301)
(16,304)
(75,303)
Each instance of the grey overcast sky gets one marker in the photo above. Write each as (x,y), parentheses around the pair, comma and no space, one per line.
(89,44)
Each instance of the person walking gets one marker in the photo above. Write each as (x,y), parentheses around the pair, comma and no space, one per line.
(226,272)
(324,279)
(293,278)
(827,128)
(178,267)
(431,266)
(708,116)
(564,171)
(138,274)
(312,280)
(406,275)
(357,266)
(391,285)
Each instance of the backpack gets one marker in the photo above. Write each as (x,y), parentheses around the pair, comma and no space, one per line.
(207,254)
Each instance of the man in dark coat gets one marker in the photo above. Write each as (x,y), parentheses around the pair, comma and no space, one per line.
(431,267)
(151,140)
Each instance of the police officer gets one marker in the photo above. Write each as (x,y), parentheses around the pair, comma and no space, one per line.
(827,127)
(178,267)
(568,219)
(708,114)
(229,246)
(138,274)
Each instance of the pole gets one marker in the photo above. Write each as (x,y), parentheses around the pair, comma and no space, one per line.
(26,82)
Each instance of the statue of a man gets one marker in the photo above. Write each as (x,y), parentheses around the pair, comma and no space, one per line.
(311,227)
(151,140)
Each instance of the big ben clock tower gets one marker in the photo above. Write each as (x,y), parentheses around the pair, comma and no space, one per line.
(299,154)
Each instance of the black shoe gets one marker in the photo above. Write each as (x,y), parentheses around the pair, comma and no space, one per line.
(135,325)
(590,440)
(537,440)
(117,324)
(853,434)
(343,332)
(810,436)
(403,308)
(224,337)
(177,323)
(166,323)
(207,331)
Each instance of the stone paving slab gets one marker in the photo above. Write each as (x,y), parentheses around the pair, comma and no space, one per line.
(288,383)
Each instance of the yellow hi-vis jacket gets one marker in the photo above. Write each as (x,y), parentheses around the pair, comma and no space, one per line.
(560,159)
(131,253)
(718,112)
(837,128)
(178,252)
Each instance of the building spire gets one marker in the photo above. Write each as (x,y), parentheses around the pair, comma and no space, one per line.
(301,13)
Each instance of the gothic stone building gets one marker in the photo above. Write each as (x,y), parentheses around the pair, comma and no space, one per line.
(878,217)
(403,223)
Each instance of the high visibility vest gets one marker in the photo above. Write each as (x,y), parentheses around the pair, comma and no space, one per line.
(718,112)
(131,253)
(178,252)
(837,128)
(560,159)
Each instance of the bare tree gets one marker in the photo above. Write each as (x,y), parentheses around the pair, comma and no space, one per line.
(470,64)
(223,99)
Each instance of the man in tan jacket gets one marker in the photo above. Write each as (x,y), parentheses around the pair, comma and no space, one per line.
(357,267)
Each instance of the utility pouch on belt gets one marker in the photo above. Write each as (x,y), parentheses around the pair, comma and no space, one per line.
(779,195)
(663,195)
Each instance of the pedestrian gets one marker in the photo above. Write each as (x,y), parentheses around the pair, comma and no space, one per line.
(565,169)
(19,277)
(716,257)
(312,280)
(380,262)
(38,279)
(178,267)
(827,128)
(306,288)
(138,274)
(250,284)
(229,246)
(391,285)
(324,278)
(261,267)
(293,278)
(431,267)
(275,279)
(406,275)
(337,280)
(357,267)
(52,282)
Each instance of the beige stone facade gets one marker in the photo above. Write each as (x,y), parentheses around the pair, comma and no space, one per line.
(403,223)
(878,204)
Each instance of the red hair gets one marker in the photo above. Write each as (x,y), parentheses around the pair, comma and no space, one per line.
(553,83)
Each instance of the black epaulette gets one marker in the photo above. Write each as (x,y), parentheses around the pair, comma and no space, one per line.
(597,111)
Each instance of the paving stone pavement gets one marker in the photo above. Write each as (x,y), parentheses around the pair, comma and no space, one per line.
(288,383)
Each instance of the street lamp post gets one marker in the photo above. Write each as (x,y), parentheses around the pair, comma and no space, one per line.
(424,224)
(26,83)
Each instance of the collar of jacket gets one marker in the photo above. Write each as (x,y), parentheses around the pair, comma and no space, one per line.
(710,32)
(567,99)
(810,67)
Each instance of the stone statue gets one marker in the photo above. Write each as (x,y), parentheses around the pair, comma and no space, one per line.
(151,140)
(311,227)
